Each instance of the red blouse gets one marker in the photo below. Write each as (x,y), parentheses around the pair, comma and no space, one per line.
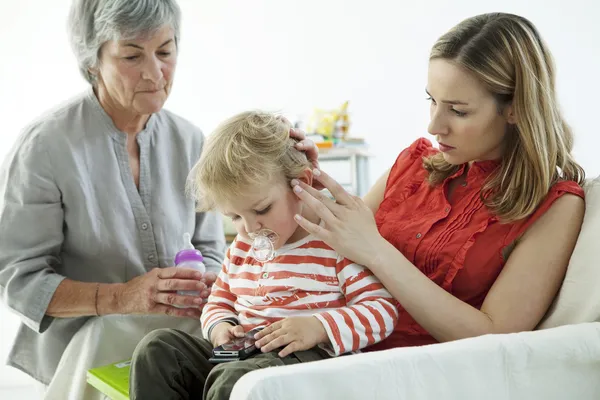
(459,246)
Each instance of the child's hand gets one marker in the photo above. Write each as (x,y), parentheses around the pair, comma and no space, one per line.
(296,333)
(225,332)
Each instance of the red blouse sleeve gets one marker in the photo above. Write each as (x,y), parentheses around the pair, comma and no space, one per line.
(557,191)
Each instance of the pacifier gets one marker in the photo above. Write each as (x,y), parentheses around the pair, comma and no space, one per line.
(263,245)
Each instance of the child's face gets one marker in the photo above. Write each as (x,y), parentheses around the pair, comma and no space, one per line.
(271,206)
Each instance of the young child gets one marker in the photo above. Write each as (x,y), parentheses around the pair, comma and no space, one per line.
(313,303)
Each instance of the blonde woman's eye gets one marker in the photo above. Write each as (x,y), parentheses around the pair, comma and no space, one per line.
(459,113)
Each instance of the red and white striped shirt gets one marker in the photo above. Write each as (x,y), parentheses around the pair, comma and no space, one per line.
(306,278)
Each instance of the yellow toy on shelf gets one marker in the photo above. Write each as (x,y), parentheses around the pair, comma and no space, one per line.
(331,124)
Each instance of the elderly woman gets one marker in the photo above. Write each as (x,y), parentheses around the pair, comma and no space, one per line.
(92,205)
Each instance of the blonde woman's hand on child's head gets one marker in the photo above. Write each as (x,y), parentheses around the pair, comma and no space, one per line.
(307,146)
(349,224)
(293,334)
(225,332)
(310,148)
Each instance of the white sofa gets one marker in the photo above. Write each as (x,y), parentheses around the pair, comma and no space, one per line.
(560,360)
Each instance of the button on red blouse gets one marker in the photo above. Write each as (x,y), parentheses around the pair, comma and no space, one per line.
(461,246)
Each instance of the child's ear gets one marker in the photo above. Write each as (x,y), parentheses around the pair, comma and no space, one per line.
(306,176)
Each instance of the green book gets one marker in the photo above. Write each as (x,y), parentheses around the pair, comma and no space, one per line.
(112,380)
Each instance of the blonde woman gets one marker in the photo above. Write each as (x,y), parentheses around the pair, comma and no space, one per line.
(316,303)
(474,237)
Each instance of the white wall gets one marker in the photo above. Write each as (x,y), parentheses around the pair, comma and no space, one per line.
(293,55)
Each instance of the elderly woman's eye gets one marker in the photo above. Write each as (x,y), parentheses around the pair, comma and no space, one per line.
(131,58)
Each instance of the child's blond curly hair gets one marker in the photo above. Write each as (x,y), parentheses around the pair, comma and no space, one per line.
(244,153)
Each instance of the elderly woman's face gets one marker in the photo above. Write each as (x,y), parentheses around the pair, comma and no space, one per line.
(137,74)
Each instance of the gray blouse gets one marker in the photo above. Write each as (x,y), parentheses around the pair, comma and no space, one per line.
(69,207)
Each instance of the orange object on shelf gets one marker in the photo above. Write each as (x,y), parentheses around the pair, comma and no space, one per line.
(325,145)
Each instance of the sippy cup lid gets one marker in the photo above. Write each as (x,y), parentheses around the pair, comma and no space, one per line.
(189,252)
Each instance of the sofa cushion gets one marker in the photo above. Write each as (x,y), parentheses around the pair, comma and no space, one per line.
(579,297)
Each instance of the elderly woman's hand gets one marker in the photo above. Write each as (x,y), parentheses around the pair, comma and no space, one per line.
(350,227)
(156,292)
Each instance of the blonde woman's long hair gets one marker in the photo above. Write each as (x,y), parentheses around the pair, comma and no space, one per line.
(246,152)
(506,53)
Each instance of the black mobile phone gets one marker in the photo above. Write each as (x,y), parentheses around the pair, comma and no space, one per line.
(238,349)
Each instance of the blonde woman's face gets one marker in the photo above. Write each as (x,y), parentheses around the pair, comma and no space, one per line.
(137,74)
(464,115)
(271,206)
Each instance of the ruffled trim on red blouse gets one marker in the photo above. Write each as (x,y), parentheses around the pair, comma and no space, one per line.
(459,261)
(408,168)
(421,148)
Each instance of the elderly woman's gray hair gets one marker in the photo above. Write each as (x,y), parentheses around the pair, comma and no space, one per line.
(93,22)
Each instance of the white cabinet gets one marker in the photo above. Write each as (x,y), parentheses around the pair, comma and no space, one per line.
(349,166)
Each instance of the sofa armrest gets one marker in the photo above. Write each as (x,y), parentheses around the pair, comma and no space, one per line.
(559,363)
